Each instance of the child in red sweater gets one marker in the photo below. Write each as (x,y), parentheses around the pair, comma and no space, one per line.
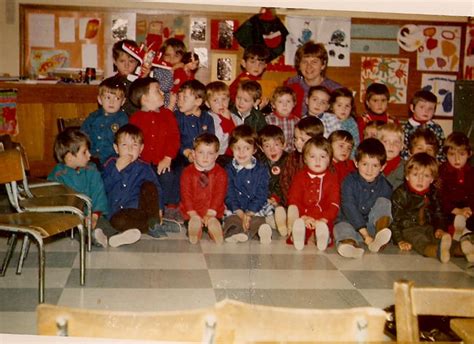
(203,190)
(342,143)
(315,194)
(160,131)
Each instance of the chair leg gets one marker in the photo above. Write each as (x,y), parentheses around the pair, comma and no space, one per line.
(82,254)
(41,265)
(8,255)
(23,254)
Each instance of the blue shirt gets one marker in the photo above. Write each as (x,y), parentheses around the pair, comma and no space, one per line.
(192,126)
(101,129)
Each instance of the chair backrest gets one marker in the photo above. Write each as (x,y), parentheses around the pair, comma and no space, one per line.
(411,301)
(186,326)
(258,323)
(74,122)
(11,166)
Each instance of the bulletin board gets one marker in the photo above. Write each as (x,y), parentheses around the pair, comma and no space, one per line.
(373,51)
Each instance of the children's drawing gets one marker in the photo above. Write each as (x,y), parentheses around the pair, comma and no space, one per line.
(197,30)
(334,33)
(469,54)
(392,72)
(442,86)
(222,34)
(46,61)
(410,37)
(8,120)
(441,48)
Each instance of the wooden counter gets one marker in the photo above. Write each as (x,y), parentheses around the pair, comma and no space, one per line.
(38,108)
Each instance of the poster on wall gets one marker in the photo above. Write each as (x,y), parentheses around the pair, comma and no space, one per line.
(442,86)
(393,72)
(198,30)
(8,120)
(469,54)
(123,26)
(224,67)
(441,48)
(222,34)
(334,33)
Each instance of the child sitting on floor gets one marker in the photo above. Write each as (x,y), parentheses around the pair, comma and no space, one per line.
(342,144)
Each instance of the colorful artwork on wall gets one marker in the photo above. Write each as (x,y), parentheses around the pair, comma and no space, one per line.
(224,67)
(334,33)
(45,61)
(441,48)
(222,34)
(392,72)
(8,120)
(442,86)
(469,54)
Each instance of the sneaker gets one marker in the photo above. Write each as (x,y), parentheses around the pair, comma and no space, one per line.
(173,214)
(298,232)
(381,238)
(171,226)
(214,229)
(265,234)
(459,226)
(280,221)
(239,237)
(157,231)
(99,238)
(293,215)
(467,247)
(194,229)
(350,250)
(130,236)
(322,235)
(444,247)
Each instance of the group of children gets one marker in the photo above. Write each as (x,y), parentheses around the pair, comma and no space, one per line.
(214,161)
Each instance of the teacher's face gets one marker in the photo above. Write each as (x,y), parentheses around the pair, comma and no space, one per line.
(312,68)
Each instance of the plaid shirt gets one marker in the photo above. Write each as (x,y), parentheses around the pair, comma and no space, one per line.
(287,124)
(330,122)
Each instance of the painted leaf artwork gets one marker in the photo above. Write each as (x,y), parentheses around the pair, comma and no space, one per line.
(441,48)
(392,72)
(334,33)
(8,119)
(442,86)
(469,54)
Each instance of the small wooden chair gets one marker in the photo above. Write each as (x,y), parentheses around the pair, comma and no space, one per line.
(411,301)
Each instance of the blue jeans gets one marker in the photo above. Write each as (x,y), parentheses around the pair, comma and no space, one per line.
(344,230)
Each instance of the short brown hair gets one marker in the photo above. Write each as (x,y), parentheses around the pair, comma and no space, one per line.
(117,48)
(129,129)
(216,87)
(259,51)
(311,126)
(197,88)
(139,88)
(345,93)
(319,142)
(372,148)
(425,134)
(206,139)
(457,141)
(318,88)
(341,135)
(243,132)
(311,49)
(422,160)
(252,87)
(69,141)
(270,131)
(176,44)
(376,88)
(112,85)
(282,90)
(425,95)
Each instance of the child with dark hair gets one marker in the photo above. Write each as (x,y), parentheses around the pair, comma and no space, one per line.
(71,149)
(418,220)
(371,129)
(254,62)
(203,190)
(133,189)
(457,183)
(283,103)
(377,98)
(423,140)
(247,190)
(422,108)
(101,125)
(315,194)
(318,102)
(160,132)
(365,212)
(342,144)
(247,104)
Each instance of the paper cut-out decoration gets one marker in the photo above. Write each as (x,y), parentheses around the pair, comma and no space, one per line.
(222,34)
(393,72)
(441,48)
(198,30)
(410,37)
(45,61)
(334,33)
(469,54)
(8,119)
(442,86)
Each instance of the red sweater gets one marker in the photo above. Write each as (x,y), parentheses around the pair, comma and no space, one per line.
(318,197)
(197,196)
(161,134)
(343,168)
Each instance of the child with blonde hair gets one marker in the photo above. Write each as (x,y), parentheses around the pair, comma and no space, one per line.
(391,135)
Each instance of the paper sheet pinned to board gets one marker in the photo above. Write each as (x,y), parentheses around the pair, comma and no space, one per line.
(41,30)
(89,55)
(67,31)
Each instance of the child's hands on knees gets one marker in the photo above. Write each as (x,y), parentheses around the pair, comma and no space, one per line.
(309,221)
(404,246)
(164,165)
(439,233)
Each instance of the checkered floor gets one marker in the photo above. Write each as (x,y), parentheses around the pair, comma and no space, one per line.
(171,274)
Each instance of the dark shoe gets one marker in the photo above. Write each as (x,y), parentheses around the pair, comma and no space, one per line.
(157,231)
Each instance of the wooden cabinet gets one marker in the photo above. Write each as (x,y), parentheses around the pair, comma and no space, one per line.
(38,108)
